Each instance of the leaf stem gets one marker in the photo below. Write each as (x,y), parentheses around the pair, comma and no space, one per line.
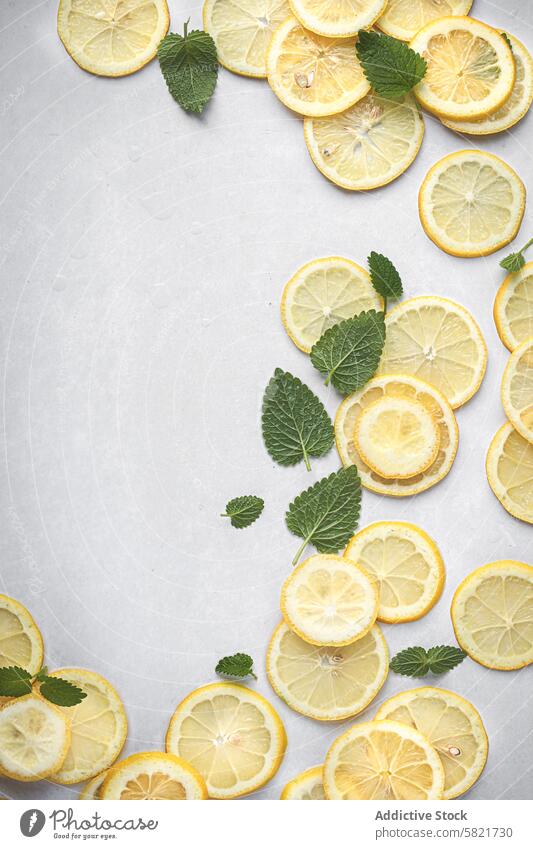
(186,27)
(299,552)
(384,304)
(526,246)
(306,461)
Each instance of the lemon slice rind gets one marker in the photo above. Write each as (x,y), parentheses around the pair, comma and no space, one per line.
(391,22)
(510,453)
(91,790)
(308,785)
(513,307)
(334,25)
(517,389)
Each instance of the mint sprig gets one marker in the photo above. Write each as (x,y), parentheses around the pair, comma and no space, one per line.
(295,423)
(384,278)
(514,262)
(349,353)
(243,510)
(16,682)
(415,662)
(238,665)
(390,66)
(189,65)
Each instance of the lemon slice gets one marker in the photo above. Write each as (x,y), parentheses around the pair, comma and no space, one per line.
(514,108)
(34,738)
(314,75)
(92,789)
(328,600)
(231,735)
(383,760)
(492,614)
(397,386)
(112,39)
(470,68)
(471,203)
(242,29)
(510,472)
(436,340)
(98,725)
(517,389)
(151,776)
(307,786)
(513,307)
(453,727)
(342,18)
(396,437)
(406,564)
(21,643)
(402,18)
(368,145)
(327,682)
(323,293)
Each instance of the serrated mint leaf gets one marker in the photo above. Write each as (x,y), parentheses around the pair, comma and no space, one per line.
(416,661)
(514,262)
(244,510)
(349,353)
(390,66)
(189,65)
(443,658)
(327,513)
(238,665)
(384,277)
(14,681)
(60,692)
(295,423)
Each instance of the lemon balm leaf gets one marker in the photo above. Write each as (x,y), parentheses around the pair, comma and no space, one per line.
(443,658)
(189,65)
(384,277)
(295,423)
(514,262)
(390,66)
(326,514)
(238,665)
(61,692)
(415,662)
(14,681)
(349,353)
(244,510)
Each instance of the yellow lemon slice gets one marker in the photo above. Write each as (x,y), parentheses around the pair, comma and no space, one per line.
(436,340)
(242,29)
(492,614)
(98,725)
(368,145)
(327,682)
(471,203)
(323,293)
(470,68)
(92,789)
(112,39)
(34,738)
(328,600)
(396,437)
(402,18)
(307,786)
(513,307)
(406,564)
(314,75)
(149,776)
(514,108)
(231,735)
(517,389)
(21,643)
(453,727)
(342,18)
(397,386)
(510,472)
(383,760)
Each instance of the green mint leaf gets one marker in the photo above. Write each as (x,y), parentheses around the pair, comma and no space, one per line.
(14,681)
(514,262)
(349,352)
(189,65)
(384,277)
(443,658)
(61,692)
(327,513)
(238,665)
(295,423)
(389,65)
(507,41)
(244,510)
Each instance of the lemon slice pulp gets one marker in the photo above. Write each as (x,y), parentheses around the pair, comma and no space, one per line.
(404,18)
(453,727)
(34,738)
(510,472)
(513,307)
(492,614)
(21,643)
(368,145)
(308,786)
(342,18)
(517,389)
(151,776)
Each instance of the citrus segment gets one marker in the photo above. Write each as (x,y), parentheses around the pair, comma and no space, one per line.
(383,760)
(492,614)
(21,643)
(471,203)
(438,341)
(510,472)
(404,18)
(453,727)
(513,307)
(307,786)
(327,682)
(517,389)
(406,564)
(231,735)
(368,145)
(314,75)
(34,738)
(342,18)
(153,776)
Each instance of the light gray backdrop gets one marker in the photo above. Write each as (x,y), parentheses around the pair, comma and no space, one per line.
(143,255)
